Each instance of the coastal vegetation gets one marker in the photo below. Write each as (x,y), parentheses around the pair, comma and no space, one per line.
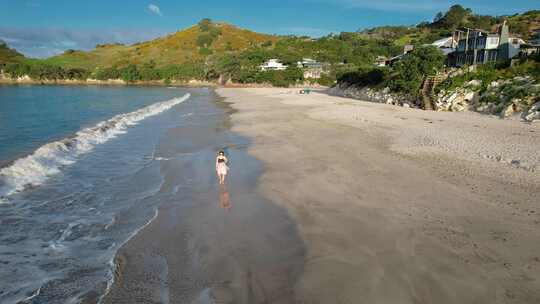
(405,77)
(487,73)
(213,51)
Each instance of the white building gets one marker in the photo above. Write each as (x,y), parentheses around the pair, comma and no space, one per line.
(273,65)
(309,63)
(312,68)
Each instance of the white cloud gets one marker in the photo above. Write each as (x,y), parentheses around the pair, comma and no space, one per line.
(154,9)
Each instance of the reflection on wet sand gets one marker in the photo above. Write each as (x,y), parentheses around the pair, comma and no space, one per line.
(224,199)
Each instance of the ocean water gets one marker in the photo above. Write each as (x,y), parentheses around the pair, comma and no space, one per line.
(78,178)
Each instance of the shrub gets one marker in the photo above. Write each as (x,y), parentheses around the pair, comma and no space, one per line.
(205,51)
(410,72)
(363,78)
(204,40)
(15,70)
(77,73)
(107,73)
(326,80)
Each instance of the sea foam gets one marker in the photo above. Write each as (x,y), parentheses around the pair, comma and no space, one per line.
(47,160)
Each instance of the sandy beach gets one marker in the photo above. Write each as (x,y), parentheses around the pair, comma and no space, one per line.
(209,243)
(398,205)
(334,200)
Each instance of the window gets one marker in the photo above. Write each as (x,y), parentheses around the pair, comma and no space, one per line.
(480,57)
(480,42)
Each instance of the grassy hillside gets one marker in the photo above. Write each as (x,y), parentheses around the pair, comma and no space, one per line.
(193,44)
(525,25)
(522,25)
(8,55)
(209,50)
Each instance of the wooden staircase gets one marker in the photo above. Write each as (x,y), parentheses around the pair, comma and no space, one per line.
(427,92)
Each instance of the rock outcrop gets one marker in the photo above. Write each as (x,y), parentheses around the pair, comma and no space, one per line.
(373,95)
(515,96)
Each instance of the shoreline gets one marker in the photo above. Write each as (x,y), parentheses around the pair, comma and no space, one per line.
(117,263)
(334,91)
(157,83)
(397,205)
(198,248)
(112,82)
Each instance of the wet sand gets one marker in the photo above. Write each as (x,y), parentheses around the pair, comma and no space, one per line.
(210,243)
(399,205)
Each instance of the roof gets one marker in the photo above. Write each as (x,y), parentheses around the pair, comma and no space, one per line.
(464,29)
(444,42)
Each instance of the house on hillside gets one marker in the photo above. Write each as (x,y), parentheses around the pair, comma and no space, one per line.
(273,65)
(532,47)
(529,49)
(312,68)
(390,61)
(446,45)
(380,61)
(479,47)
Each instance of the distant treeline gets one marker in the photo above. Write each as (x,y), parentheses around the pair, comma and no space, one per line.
(129,73)
(149,72)
(40,71)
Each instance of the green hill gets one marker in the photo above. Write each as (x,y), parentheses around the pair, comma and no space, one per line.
(209,50)
(523,25)
(8,55)
(193,44)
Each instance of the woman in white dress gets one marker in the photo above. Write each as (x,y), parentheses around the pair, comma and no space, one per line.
(221,167)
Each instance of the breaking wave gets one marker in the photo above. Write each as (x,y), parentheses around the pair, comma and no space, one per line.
(47,160)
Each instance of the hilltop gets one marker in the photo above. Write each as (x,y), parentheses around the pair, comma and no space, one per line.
(523,25)
(193,44)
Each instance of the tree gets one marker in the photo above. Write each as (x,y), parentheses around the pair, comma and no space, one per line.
(130,73)
(438,17)
(204,40)
(77,73)
(107,73)
(205,24)
(149,72)
(15,70)
(455,17)
(414,67)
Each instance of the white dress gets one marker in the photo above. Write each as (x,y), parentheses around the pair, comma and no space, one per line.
(221,166)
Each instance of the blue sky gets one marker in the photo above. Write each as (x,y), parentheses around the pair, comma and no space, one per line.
(41,28)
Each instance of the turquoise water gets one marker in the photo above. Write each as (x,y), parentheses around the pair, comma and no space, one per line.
(78,178)
(31,116)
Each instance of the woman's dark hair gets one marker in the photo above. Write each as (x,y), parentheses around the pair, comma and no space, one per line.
(221,152)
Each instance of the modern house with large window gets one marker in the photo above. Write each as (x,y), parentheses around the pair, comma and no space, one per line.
(480,47)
